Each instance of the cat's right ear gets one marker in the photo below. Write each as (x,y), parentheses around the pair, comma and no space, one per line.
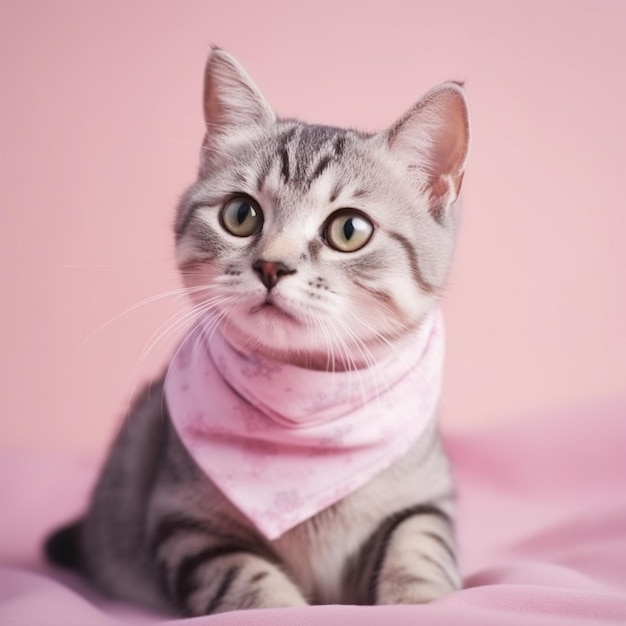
(232,102)
(432,140)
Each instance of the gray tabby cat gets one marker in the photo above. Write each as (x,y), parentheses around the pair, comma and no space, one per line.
(360,242)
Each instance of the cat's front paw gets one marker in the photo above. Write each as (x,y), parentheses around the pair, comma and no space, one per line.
(280,597)
(240,582)
(403,588)
(419,563)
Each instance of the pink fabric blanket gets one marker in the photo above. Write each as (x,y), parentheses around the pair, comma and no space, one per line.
(542,530)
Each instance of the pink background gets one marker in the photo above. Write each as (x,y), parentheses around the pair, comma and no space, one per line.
(99,132)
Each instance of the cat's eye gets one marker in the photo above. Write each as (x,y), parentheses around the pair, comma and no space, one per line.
(348,230)
(242,216)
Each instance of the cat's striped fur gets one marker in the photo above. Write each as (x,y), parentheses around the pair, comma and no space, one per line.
(158,531)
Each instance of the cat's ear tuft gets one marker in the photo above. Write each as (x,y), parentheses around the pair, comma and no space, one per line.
(432,138)
(231,100)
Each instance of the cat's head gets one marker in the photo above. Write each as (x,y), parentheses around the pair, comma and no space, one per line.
(319,245)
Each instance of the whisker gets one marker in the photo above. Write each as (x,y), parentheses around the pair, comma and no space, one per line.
(205,148)
(397,352)
(173,323)
(182,319)
(194,348)
(124,265)
(352,365)
(330,355)
(167,294)
(207,328)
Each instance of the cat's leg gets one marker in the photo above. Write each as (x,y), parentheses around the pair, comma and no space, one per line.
(206,572)
(410,559)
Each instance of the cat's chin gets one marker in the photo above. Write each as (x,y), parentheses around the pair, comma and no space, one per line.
(272,331)
(293,343)
(269,311)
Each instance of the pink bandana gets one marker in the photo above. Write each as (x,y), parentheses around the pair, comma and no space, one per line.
(284,442)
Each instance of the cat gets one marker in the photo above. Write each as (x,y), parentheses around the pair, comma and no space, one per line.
(291,455)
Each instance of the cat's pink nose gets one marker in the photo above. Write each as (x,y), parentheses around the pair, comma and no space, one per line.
(270,272)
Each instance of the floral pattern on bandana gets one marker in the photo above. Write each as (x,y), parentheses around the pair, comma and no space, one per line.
(283,442)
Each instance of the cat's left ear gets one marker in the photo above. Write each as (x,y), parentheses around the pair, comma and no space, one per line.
(232,102)
(432,139)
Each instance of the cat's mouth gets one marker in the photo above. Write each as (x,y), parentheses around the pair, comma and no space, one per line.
(271,308)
